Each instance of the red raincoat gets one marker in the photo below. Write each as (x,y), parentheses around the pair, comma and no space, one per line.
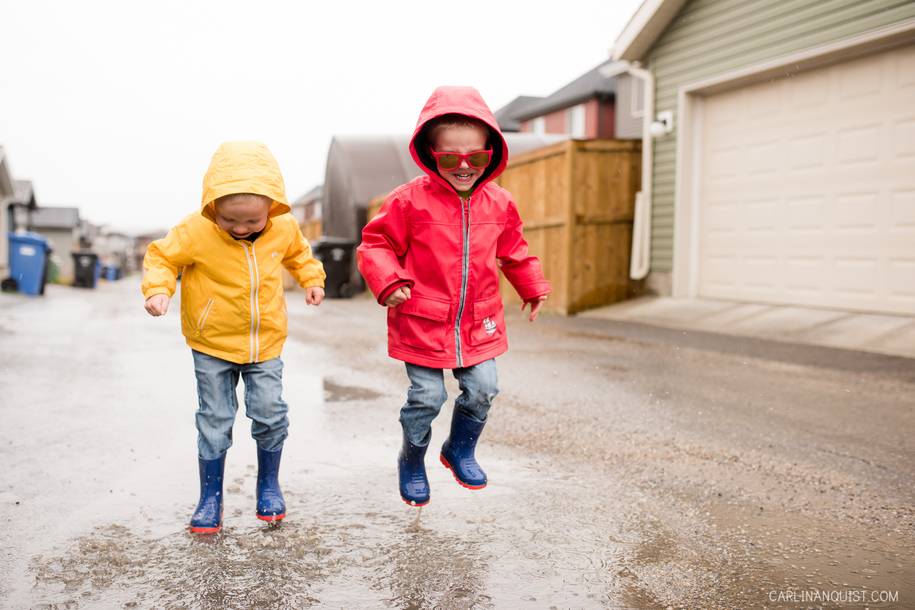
(449,251)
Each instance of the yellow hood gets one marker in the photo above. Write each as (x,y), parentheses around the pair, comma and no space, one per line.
(243,167)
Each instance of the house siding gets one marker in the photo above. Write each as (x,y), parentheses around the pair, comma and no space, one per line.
(63,243)
(607,120)
(592,119)
(710,37)
(555,122)
(627,119)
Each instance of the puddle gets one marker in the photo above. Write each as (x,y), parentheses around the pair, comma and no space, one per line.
(530,539)
(334,392)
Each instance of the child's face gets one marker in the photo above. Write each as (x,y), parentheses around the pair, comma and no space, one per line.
(461,140)
(242,218)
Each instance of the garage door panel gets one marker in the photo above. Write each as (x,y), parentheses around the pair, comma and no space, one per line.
(858,144)
(806,214)
(763,159)
(722,273)
(861,79)
(902,212)
(858,214)
(904,68)
(904,139)
(807,151)
(762,277)
(807,188)
(723,164)
(855,277)
(805,277)
(808,92)
(761,217)
(723,219)
(902,282)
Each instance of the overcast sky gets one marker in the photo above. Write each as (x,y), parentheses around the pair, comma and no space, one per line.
(116,107)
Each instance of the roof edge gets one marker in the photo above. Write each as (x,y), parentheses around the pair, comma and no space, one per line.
(645,27)
(557,105)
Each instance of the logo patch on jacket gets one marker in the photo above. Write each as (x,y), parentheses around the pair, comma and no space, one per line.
(489,325)
(275,254)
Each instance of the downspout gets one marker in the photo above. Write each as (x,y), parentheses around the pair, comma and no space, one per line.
(640,261)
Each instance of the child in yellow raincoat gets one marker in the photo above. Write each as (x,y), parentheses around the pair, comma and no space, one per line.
(233,313)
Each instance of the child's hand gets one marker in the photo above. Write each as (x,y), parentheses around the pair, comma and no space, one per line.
(314,295)
(157,305)
(398,296)
(535,304)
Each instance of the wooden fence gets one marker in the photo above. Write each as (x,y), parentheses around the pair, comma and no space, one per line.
(311,229)
(576,200)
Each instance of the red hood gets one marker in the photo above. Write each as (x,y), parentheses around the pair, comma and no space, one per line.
(469,102)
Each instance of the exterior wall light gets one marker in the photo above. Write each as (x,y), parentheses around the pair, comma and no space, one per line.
(663,125)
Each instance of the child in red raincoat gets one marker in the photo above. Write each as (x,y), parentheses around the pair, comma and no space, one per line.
(432,255)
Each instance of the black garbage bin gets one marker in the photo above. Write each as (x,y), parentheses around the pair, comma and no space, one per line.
(337,255)
(86,269)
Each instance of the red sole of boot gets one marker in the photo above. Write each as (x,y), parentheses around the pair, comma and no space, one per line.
(414,503)
(207,530)
(276,518)
(462,483)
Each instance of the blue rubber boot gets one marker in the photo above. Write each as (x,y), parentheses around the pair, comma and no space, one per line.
(270,503)
(411,466)
(207,518)
(457,452)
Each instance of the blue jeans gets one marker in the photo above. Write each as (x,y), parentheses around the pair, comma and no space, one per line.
(479,385)
(216,383)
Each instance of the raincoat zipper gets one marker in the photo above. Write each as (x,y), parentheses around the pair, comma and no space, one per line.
(253,341)
(465,272)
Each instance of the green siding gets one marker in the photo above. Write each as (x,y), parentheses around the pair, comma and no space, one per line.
(710,37)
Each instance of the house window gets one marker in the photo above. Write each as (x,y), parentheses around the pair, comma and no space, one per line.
(538,125)
(575,121)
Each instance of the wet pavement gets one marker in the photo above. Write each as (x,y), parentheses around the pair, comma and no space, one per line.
(630,466)
(854,330)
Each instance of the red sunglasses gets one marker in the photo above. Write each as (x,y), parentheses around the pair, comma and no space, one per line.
(449,160)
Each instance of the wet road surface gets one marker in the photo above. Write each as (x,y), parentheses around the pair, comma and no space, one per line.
(629,467)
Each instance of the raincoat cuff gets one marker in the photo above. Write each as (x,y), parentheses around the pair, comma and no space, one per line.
(151,292)
(533,290)
(317,282)
(387,291)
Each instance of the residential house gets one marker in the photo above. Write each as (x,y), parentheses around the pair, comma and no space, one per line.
(115,250)
(308,207)
(141,245)
(603,103)
(17,198)
(505,116)
(307,211)
(62,227)
(784,169)
(7,192)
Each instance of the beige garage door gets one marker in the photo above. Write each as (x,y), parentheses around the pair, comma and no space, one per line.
(807,188)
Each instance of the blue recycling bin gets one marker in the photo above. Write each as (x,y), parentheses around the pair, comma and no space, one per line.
(29,261)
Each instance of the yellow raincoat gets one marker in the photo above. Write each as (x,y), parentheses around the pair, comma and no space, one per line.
(232,302)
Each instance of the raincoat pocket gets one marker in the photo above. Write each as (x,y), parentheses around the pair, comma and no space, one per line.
(204,316)
(488,321)
(423,323)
